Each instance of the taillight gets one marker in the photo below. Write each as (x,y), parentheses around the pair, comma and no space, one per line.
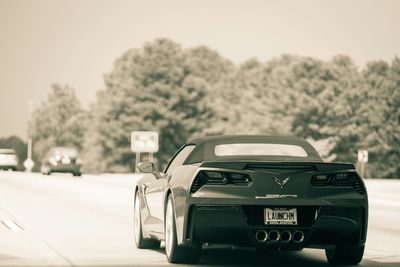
(213,177)
(53,161)
(334,179)
(218,178)
(320,179)
(238,178)
(343,179)
(339,179)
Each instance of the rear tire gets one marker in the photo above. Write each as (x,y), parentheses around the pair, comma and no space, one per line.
(345,255)
(175,253)
(138,232)
(45,170)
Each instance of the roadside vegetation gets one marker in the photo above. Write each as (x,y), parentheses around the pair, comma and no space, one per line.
(188,92)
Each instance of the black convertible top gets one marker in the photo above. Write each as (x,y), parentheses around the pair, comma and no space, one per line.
(205,148)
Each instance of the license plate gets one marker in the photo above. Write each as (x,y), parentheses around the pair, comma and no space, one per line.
(280,216)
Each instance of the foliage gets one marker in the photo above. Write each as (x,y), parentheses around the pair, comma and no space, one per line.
(379,117)
(316,99)
(159,87)
(186,93)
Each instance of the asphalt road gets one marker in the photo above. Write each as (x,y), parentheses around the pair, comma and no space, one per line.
(61,220)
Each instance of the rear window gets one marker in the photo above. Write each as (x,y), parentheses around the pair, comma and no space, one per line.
(7,151)
(260,149)
(65,151)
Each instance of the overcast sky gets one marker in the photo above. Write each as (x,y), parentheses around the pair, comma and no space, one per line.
(76,41)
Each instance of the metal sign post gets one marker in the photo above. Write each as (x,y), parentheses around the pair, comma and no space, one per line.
(144,142)
(28,163)
(137,160)
(362,160)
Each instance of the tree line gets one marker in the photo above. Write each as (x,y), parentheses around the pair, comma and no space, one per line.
(185,93)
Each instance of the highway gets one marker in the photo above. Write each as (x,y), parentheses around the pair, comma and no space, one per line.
(61,220)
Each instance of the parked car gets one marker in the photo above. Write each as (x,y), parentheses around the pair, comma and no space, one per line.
(8,159)
(62,159)
(260,191)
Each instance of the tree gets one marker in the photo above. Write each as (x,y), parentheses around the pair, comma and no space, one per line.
(59,121)
(185,93)
(333,101)
(217,74)
(391,131)
(244,101)
(313,99)
(153,88)
(379,117)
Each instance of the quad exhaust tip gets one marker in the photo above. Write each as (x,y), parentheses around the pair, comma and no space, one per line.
(261,236)
(274,236)
(284,236)
(298,236)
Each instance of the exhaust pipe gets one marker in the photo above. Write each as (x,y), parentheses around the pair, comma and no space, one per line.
(261,236)
(286,236)
(298,236)
(274,236)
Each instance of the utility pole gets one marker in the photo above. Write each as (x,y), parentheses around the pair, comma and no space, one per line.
(28,163)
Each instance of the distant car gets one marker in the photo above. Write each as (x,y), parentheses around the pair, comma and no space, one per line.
(8,159)
(260,191)
(62,159)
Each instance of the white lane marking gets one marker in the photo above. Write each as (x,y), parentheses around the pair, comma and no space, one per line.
(11,225)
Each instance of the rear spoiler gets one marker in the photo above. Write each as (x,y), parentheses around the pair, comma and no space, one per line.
(254,165)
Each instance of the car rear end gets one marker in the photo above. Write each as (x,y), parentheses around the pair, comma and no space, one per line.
(8,159)
(288,205)
(66,165)
(63,159)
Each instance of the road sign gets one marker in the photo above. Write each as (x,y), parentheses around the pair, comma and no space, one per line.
(363,156)
(144,141)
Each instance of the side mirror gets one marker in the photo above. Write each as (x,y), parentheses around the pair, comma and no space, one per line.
(146,167)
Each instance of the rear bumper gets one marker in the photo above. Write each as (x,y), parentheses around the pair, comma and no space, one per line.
(8,167)
(73,168)
(239,224)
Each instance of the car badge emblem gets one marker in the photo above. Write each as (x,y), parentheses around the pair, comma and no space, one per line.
(283,182)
